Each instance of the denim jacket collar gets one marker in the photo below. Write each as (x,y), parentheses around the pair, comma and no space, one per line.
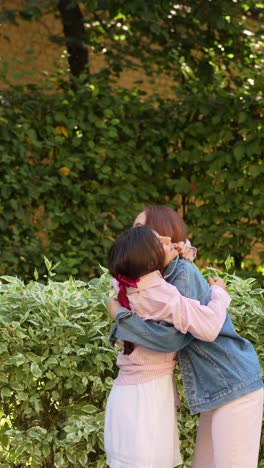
(170,268)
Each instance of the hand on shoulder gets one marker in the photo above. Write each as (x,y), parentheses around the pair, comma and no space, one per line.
(186,250)
(217,281)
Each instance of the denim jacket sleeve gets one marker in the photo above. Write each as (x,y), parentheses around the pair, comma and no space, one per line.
(162,336)
(159,336)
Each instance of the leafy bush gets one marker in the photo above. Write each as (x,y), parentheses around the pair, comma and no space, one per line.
(57,368)
(77,166)
(71,163)
(56,372)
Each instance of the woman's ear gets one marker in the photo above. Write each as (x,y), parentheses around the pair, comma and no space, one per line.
(165,240)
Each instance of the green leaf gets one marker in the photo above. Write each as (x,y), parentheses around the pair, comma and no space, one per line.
(35,370)
(5,392)
(239,151)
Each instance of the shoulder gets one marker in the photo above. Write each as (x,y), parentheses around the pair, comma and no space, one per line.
(189,267)
(181,267)
(189,280)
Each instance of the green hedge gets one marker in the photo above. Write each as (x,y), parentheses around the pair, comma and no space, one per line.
(77,166)
(57,368)
(56,372)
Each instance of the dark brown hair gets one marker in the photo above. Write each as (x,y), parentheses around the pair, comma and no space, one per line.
(166,222)
(135,253)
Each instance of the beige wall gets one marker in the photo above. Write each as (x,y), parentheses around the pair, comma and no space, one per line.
(26,47)
(31,55)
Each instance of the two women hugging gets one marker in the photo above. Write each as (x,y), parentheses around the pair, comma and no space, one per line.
(167,313)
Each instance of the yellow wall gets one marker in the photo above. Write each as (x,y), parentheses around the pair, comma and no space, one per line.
(26,47)
(31,55)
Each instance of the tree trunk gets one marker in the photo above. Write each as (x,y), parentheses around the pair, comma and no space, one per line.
(74,32)
(238,260)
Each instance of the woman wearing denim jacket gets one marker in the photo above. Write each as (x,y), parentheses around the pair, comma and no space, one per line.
(141,429)
(222,379)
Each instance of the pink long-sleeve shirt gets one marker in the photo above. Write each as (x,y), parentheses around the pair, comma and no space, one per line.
(156,299)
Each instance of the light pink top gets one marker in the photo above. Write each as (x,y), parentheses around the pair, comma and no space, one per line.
(158,300)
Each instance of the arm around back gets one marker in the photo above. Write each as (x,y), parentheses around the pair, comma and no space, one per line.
(158,336)
(161,336)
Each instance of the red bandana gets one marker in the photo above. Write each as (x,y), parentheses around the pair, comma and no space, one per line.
(125,282)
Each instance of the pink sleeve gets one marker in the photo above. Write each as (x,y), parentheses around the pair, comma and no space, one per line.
(188,315)
(115,285)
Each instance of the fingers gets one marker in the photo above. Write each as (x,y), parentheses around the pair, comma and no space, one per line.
(217,281)
(113,305)
(185,251)
(121,344)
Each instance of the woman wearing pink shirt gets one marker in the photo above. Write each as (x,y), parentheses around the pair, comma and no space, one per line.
(141,419)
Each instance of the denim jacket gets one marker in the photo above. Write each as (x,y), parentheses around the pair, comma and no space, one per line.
(213,373)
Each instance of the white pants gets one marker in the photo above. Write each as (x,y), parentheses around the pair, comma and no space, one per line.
(229,436)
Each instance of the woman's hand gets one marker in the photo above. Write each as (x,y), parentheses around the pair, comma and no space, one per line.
(216,281)
(186,251)
(121,345)
(113,305)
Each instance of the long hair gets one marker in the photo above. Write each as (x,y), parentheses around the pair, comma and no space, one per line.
(135,253)
(166,222)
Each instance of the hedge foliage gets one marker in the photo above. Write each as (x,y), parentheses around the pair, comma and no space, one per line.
(56,372)
(57,368)
(76,167)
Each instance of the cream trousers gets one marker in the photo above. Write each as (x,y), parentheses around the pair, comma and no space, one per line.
(229,436)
